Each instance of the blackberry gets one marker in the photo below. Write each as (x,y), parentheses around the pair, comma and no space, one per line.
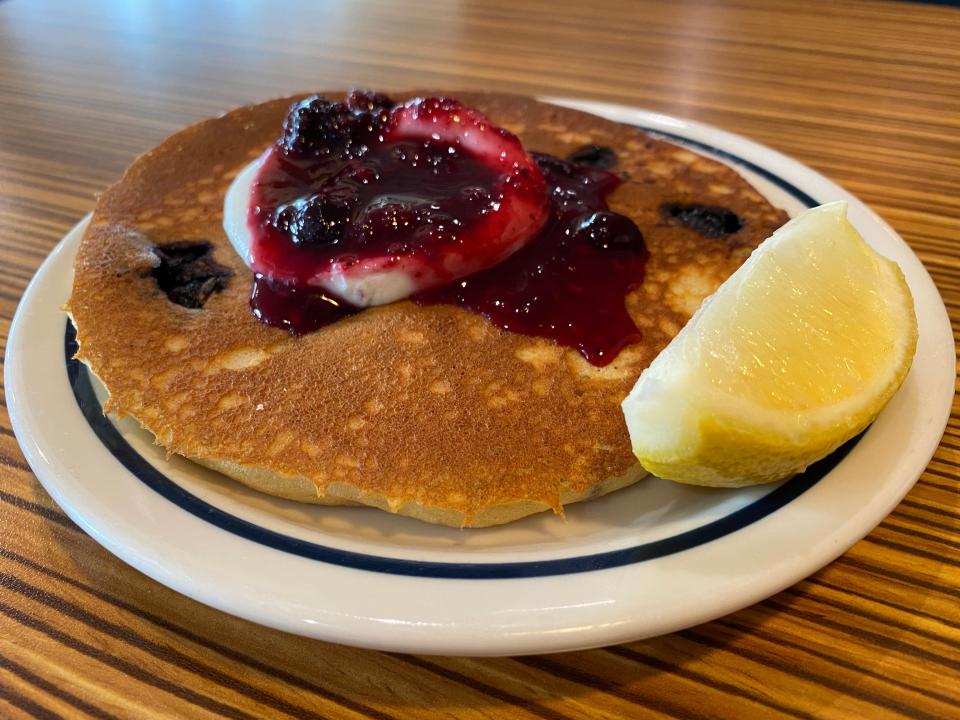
(595,156)
(319,220)
(551,165)
(709,220)
(317,127)
(187,273)
(606,230)
(367,101)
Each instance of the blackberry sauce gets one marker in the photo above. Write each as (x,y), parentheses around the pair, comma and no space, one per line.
(570,282)
(366,192)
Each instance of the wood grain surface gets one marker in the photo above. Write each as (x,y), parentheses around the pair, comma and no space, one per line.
(866,92)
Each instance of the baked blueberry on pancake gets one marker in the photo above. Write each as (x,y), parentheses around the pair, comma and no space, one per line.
(432,304)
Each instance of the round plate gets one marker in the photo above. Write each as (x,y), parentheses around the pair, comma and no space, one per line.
(650,559)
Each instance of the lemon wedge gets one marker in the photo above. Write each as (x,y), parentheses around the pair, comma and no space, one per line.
(797,352)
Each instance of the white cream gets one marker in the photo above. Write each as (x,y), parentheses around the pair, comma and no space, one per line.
(236,205)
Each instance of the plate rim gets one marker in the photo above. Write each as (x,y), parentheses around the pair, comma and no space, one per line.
(475,638)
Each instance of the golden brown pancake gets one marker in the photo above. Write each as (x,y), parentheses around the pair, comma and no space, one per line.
(426,411)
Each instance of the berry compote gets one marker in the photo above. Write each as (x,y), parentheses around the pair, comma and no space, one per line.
(365,201)
(371,202)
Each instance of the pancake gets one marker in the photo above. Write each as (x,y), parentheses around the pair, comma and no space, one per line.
(426,411)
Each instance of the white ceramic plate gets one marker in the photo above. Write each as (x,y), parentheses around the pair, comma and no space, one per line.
(651,559)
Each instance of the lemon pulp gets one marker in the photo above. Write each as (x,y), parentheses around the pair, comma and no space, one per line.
(794,354)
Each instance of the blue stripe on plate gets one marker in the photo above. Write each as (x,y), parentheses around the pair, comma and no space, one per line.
(796,192)
(138,466)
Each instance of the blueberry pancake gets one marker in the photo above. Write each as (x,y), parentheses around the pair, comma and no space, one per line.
(434,402)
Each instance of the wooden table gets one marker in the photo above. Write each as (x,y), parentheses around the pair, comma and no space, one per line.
(866,92)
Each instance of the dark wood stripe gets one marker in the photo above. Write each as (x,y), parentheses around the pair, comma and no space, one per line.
(875,638)
(65,217)
(54,690)
(13,287)
(122,666)
(628,653)
(63,188)
(940,473)
(21,273)
(27,705)
(833,659)
(14,463)
(165,654)
(895,606)
(581,677)
(77,187)
(910,550)
(890,524)
(797,669)
(16,284)
(934,510)
(944,443)
(529,706)
(908,580)
(889,620)
(12,247)
(942,457)
(926,522)
(37,509)
(12,296)
(951,429)
(17,274)
(841,55)
(287,678)
(926,482)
